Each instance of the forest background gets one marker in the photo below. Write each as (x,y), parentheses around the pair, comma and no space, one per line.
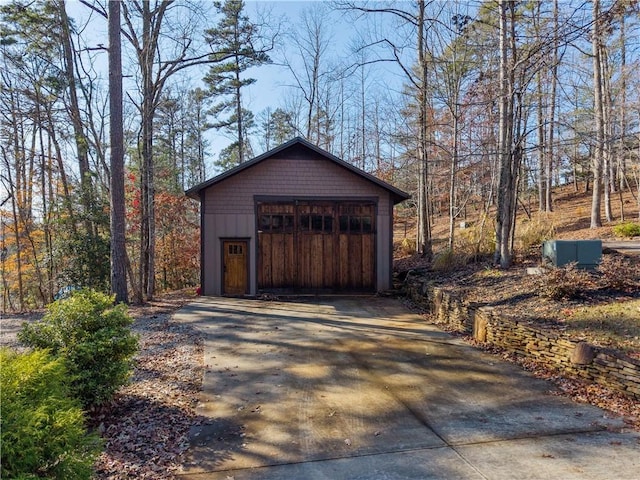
(471,106)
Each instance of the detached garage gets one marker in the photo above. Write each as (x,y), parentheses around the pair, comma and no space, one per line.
(296,220)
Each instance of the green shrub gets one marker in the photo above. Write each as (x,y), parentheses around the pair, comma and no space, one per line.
(628,229)
(42,427)
(563,282)
(93,337)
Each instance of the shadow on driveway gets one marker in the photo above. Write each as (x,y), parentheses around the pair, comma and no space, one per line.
(360,387)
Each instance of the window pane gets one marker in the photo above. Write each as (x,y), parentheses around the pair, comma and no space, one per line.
(366,224)
(344,223)
(328,224)
(276,222)
(265,222)
(349,209)
(304,222)
(354,224)
(316,223)
(288,223)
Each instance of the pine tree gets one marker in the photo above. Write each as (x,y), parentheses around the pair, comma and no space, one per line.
(233,37)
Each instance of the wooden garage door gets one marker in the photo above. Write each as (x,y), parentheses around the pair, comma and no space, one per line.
(316,246)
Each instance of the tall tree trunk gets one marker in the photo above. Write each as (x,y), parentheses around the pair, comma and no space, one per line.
(508,175)
(46,226)
(117,219)
(607,154)
(16,227)
(424,222)
(363,119)
(81,141)
(550,150)
(147,174)
(453,177)
(621,163)
(503,125)
(542,167)
(597,160)
(541,119)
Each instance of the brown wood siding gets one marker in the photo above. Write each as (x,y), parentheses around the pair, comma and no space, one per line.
(278,245)
(294,177)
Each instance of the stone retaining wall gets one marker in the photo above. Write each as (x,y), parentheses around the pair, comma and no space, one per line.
(577,359)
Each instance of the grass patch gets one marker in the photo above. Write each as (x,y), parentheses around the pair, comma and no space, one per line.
(628,229)
(615,324)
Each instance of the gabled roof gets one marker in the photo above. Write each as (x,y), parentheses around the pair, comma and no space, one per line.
(397,194)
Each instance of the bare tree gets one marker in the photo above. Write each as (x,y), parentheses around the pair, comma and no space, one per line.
(508,168)
(81,140)
(311,43)
(418,77)
(118,245)
(598,155)
(158,62)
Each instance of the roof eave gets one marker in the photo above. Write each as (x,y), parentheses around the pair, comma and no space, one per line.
(397,194)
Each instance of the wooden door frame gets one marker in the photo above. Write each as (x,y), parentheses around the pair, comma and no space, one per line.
(247,242)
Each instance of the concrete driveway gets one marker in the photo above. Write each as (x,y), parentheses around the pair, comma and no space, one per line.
(361,388)
(628,247)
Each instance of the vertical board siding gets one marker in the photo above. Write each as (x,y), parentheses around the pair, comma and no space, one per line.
(217,227)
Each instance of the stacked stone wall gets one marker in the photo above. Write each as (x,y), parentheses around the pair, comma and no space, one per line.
(574,358)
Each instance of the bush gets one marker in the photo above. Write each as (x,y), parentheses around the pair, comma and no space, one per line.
(42,427)
(618,273)
(408,247)
(563,282)
(93,337)
(628,229)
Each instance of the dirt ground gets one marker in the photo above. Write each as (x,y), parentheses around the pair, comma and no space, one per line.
(514,292)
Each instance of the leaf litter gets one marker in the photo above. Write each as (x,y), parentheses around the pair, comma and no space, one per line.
(146,428)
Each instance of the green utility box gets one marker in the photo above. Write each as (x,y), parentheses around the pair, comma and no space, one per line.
(587,253)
